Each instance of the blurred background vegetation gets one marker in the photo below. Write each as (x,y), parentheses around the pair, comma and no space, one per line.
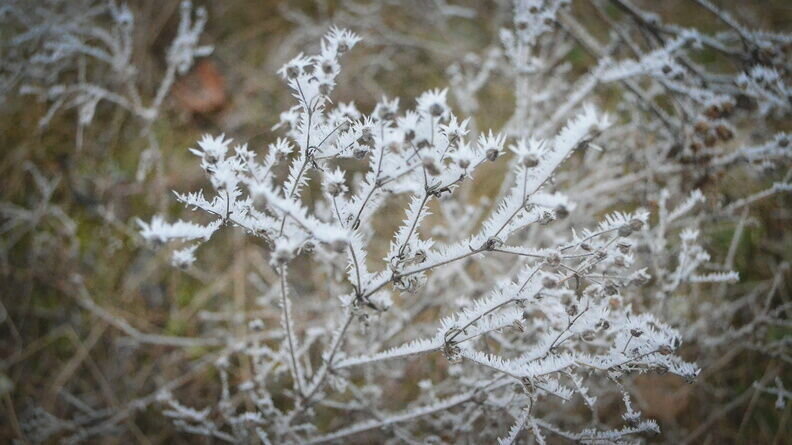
(57,355)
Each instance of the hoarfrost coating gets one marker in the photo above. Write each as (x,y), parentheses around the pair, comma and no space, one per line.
(560,322)
(504,284)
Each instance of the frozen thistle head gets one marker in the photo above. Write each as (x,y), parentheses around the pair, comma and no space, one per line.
(528,151)
(491,144)
(212,149)
(433,103)
(342,39)
(334,182)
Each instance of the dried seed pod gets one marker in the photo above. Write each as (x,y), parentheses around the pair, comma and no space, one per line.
(366,138)
(710,139)
(430,165)
(553,259)
(335,188)
(712,112)
(359,152)
(701,127)
(695,146)
(549,282)
(546,218)
(724,132)
(561,211)
(530,160)
(452,352)
(493,242)
(325,88)
(211,158)
(292,71)
(339,245)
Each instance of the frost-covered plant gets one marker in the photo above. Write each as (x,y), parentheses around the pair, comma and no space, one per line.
(388,25)
(683,128)
(531,320)
(421,279)
(44,219)
(77,54)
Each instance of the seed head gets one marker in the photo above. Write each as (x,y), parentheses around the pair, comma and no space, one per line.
(530,160)
(359,152)
(334,188)
(436,110)
(339,245)
(625,230)
(430,165)
(549,282)
(561,211)
(324,88)
(553,259)
(292,71)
